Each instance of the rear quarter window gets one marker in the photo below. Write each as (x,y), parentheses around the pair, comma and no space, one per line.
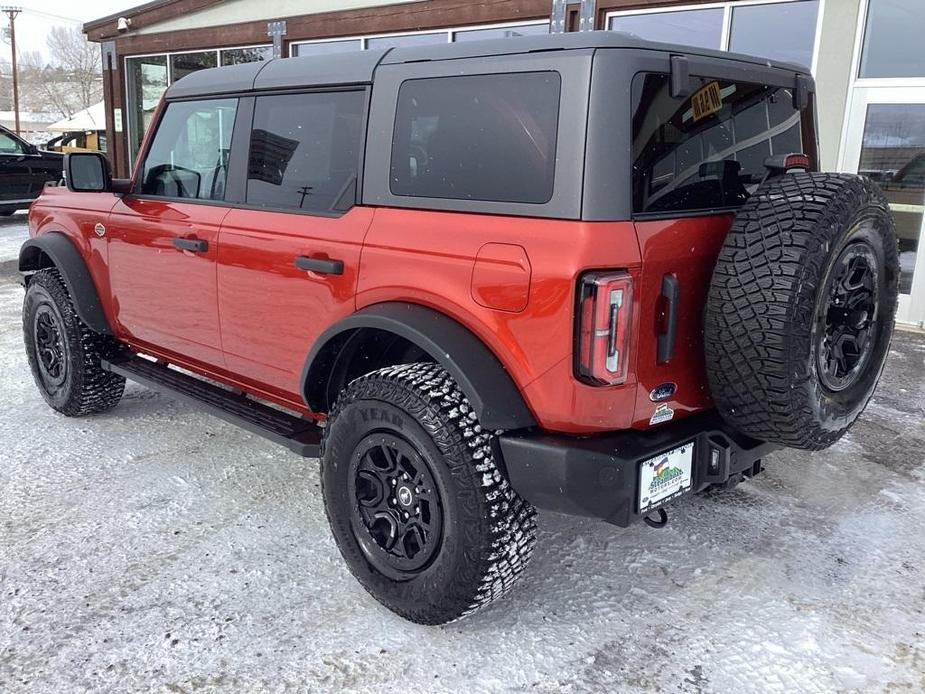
(707,151)
(478,137)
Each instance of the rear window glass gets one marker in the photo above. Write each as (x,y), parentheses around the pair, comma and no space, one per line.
(706,151)
(481,137)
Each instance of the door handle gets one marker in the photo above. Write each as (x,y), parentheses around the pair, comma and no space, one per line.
(194,245)
(666,339)
(323,266)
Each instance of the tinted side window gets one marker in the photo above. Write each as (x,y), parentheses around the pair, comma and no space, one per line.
(304,151)
(707,151)
(188,157)
(481,137)
(8,145)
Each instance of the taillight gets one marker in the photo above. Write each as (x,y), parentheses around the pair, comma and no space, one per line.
(605,311)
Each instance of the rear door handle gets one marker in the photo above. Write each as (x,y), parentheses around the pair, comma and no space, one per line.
(666,340)
(194,245)
(323,266)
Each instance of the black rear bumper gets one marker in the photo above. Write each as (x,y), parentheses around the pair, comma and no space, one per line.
(598,476)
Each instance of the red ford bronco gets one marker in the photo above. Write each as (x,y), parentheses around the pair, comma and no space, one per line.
(578,272)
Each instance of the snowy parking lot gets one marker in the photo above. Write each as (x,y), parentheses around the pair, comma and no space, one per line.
(157,548)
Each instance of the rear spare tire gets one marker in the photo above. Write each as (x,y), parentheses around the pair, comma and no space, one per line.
(800,310)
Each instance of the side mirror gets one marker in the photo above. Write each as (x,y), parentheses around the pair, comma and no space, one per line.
(87,172)
(32,149)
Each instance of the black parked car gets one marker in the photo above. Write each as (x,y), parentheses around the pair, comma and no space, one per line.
(24,171)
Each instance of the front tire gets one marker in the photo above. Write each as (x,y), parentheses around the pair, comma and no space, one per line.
(64,354)
(418,506)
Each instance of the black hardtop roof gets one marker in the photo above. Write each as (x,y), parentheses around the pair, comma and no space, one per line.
(358,67)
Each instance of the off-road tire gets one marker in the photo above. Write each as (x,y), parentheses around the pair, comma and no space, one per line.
(488,531)
(765,310)
(84,388)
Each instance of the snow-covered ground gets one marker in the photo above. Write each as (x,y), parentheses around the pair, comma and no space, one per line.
(13,231)
(157,548)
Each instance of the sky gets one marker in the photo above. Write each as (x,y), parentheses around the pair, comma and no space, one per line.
(39,16)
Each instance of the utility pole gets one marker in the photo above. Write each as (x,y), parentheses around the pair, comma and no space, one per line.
(12,13)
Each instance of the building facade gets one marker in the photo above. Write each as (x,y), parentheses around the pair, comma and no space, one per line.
(866,56)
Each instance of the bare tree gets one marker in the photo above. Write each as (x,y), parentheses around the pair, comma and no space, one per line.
(80,60)
(66,81)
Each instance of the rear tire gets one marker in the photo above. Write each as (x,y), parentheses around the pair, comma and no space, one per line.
(420,511)
(800,311)
(64,354)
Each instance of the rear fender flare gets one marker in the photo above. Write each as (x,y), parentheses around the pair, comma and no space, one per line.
(481,376)
(54,249)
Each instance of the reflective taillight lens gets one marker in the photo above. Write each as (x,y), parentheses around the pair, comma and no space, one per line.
(605,311)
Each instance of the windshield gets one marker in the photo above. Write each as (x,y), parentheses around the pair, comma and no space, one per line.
(707,151)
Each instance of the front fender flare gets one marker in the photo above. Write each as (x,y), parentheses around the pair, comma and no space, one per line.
(65,257)
(480,375)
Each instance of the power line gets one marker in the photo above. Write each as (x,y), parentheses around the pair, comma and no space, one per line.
(52,15)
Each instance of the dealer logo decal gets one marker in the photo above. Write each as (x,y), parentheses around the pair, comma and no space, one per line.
(665,476)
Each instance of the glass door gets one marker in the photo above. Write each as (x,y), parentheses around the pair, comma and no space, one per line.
(886,141)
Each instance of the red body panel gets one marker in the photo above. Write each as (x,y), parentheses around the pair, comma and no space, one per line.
(244,314)
(686,248)
(272,312)
(162,296)
(429,258)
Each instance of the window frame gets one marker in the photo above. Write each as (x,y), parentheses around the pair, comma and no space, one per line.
(856,79)
(244,153)
(138,179)
(574,68)
(236,183)
(555,134)
(728,7)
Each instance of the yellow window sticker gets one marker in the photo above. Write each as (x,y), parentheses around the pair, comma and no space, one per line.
(706,100)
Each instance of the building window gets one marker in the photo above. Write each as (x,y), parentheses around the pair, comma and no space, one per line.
(893,39)
(421,38)
(147,77)
(182,64)
(480,137)
(700,28)
(403,40)
(775,29)
(501,32)
(146,81)
(305,150)
(783,31)
(251,54)
(326,47)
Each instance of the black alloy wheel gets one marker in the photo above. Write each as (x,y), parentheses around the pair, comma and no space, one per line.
(50,348)
(398,519)
(801,306)
(64,354)
(849,315)
(419,507)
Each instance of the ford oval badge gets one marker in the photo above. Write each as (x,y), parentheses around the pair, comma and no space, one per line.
(662,392)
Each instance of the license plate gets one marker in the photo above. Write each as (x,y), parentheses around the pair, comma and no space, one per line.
(707,101)
(665,476)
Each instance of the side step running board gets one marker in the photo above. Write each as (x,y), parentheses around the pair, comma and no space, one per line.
(299,435)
